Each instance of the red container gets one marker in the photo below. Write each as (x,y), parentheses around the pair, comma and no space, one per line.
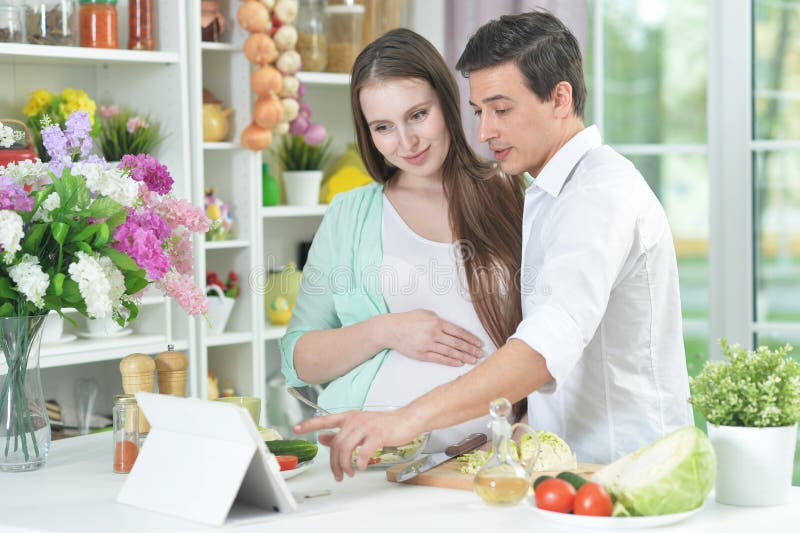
(20,151)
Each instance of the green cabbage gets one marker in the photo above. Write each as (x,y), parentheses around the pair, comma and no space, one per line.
(554,454)
(671,475)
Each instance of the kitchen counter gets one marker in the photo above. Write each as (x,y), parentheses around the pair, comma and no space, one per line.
(76,491)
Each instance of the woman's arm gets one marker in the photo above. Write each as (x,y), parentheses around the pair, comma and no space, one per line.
(323,355)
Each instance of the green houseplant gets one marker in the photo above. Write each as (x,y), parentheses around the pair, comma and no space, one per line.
(752,404)
(122,131)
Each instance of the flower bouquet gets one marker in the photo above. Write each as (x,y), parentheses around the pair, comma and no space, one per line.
(85,235)
(44,105)
(125,132)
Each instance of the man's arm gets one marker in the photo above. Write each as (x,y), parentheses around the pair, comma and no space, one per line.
(513,372)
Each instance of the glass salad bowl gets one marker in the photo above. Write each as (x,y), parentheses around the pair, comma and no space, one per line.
(388,455)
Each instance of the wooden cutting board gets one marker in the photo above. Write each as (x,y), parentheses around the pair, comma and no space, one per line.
(449,476)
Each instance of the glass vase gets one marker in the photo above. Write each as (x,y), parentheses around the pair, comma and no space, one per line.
(24,425)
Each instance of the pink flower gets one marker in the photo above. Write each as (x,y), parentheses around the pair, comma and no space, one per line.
(315,134)
(177,212)
(147,169)
(179,251)
(135,123)
(109,111)
(182,289)
(299,125)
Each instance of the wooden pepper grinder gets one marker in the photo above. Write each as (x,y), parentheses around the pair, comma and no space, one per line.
(138,375)
(171,366)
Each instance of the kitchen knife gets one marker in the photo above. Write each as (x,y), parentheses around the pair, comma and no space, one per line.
(419,466)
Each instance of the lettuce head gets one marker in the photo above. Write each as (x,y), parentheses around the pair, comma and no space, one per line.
(671,475)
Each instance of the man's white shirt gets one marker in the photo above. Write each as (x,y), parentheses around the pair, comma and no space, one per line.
(601,303)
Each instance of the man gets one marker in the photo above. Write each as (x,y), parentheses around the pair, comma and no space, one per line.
(599,352)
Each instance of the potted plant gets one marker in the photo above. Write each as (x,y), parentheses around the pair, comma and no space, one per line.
(752,405)
(220,305)
(303,154)
(45,108)
(126,132)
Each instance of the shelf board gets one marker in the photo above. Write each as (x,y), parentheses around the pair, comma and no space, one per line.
(323,78)
(238,337)
(225,245)
(220,47)
(223,146)
(285,211)
(91,350)
(274,332)
(76,55)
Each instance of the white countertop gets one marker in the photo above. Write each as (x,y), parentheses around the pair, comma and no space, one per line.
(76,491)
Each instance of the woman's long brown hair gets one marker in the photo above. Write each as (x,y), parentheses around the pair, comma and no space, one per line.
(485,205)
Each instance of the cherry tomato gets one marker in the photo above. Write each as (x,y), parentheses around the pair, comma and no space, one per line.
(592,499)
(555,495)
(287,462)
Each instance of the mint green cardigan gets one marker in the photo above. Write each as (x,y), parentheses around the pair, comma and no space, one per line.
(341,287)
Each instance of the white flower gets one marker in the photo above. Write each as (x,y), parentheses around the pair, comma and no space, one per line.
(53,201)
(8,136)
(33,173)
(11,234)
(100,283)
(108,181)
(30,279)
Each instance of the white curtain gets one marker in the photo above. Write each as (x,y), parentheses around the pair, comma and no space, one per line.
(464,17)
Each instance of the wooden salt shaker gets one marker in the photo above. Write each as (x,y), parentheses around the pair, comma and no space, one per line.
(138,375)
(171,366)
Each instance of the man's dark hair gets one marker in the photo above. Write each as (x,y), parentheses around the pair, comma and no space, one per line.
(543,48)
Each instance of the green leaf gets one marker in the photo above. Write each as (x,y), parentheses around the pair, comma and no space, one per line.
(84,246)
(6,309)
(52,302)
(85,234)
(58,283)
(82,195)
(102,235)
(135,281)
(116,220)
(71,293)
(132,308)
(31,243)
(122,261)
(104,207)
(60,231)
(5,289)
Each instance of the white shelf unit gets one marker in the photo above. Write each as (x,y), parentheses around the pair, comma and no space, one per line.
(152,82)
(234,173)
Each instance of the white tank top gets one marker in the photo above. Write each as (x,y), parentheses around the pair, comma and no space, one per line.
(417,273)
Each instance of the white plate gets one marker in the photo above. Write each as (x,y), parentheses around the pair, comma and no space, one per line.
(104,335)
(67,337)
(615,523)
(299,469)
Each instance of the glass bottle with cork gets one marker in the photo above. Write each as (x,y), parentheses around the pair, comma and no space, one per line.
(99,25)
(311,42)
(125,414)
(504,479)
(10,23)
(53,22)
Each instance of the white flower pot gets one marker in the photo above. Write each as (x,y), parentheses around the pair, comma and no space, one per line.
(754,465)
(302,186)
(219,311)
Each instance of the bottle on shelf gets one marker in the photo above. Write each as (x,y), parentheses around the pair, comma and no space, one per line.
(270,188)
(138,375)
(212,21)
(52,22)
(343,28)
(141,25)
(99,26)
(311,41)
(125,414)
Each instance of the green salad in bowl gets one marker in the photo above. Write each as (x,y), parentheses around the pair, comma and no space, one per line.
(388,455)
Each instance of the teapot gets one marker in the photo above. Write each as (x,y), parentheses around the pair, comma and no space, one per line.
(215,122)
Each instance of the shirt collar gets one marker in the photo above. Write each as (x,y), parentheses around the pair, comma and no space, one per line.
(552,177)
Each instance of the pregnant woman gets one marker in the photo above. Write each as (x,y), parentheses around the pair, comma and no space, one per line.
(411,280)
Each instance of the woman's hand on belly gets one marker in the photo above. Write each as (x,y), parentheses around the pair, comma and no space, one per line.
(422,335)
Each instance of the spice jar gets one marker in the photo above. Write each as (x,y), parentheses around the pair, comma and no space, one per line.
(10,23)
(52,22)
(99,24)
(125,415)
(311,44)
(141,25)
(343,29)
(212,21)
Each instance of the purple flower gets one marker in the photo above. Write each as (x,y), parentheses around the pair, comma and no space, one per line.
(299,125)
(54,141)
(315,134)
(146,169)
(14,197)
(78,125)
